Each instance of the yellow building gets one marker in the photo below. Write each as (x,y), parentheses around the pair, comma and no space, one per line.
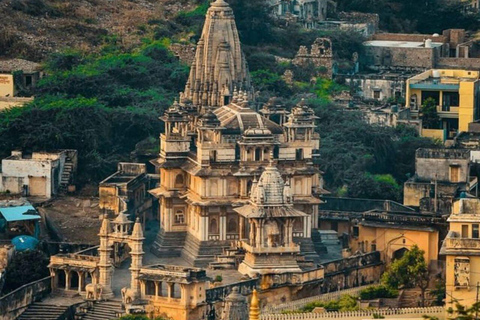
(456,93)
(462,250)
(394,233)
(17,78)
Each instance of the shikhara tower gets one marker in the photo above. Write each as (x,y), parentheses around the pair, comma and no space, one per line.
(219,66)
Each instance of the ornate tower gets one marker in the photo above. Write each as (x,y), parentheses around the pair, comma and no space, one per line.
(175,142)
(219,64)
(105,266)
(236,306)
(136,244)
(271,217)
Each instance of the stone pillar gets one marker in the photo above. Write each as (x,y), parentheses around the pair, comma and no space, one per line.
(222,227)
(156,289)
(136,244)
(81,281)
(258,236)
(67,280)
(105,265)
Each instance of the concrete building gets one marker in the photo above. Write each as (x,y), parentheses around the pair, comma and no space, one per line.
(441,175)
(457,94)
(461,249)
(17,78)
(40,174)
(126,191)
(209,158)
(306,12)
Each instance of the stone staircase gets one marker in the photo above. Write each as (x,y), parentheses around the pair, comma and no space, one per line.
(168,244)
(229,259)
(66,178)
(320,247)
(104,310)
(40,311)
(307,249)
(201,253)
(411,298)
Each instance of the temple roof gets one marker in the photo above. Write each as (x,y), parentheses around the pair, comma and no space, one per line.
(250,211)
(238,117)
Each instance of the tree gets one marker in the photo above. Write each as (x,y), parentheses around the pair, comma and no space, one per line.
(25,267)
(408,272)
(429,115)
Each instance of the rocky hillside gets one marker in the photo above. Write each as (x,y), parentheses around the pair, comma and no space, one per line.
(32,28)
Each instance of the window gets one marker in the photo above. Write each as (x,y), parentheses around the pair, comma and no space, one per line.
(258,153)
(150,288)
(299,154)
(376,94)
(475,229)
(213,156)
(232,225)
(356,231)
(179,217)
(334,225)
(464,231)
(213,227)
(454,174)
(179,181)
(450,99)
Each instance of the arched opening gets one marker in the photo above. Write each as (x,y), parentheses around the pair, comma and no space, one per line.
(150,288)
(249,187)
(61,279)
(258,154)
(179,217)
(87,280)
(176,291)
(179,181)
(163,289)
(398,254)
(74,280)
(232,225)
(213,226)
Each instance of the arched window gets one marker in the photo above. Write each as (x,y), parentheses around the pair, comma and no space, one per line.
(179,181)
(150,288)
(213,227)
(232,225)
(249,187)
(179,217)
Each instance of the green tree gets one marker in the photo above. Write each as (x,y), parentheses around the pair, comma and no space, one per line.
(410,271)
(429,115)
(25,267)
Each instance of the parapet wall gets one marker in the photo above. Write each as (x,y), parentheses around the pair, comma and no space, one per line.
(408,37)
(14,303)
(418,313)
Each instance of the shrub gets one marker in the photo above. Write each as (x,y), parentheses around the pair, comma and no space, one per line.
(376,292)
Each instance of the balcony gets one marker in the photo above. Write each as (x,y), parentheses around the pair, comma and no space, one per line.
(270,250)
(462,243)
(434,84)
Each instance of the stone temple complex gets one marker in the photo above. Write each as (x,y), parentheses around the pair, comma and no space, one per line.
(219,66)
(215,146)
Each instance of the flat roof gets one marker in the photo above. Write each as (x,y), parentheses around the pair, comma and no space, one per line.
(399,44)
(19,213)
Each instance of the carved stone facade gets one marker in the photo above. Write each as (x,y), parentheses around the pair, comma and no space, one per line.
(219,66)
(213,149)
(320,57)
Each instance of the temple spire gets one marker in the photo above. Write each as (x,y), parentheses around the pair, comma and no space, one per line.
(219,65)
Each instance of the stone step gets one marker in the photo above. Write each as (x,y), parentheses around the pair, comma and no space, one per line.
(43,312)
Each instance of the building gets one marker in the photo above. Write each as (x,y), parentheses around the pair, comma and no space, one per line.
(441,175)
(219,66)
(209,158)
(378,86)
(306,12)
(319,57)
(17,78)
(383,226)
(17,218)
(461,249)
(457,94)
(42,174)
(271,217)
(126,191)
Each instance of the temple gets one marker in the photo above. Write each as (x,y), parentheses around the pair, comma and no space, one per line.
(213,149)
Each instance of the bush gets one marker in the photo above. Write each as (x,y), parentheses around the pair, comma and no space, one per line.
(25,267)
(376,292)
(345,303)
